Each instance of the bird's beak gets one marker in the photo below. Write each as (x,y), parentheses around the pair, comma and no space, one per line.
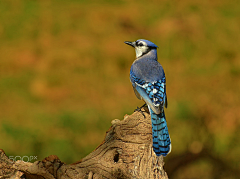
(130,43)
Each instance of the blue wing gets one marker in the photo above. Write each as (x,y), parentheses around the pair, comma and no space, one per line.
(153,93)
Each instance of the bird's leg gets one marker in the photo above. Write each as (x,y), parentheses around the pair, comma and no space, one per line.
(143,105)
(140,110)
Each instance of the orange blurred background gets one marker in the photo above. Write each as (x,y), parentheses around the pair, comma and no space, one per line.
(64,75)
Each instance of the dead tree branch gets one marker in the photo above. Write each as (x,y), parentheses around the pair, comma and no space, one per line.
(126,152)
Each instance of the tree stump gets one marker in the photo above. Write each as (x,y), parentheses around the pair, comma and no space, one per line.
(126,152)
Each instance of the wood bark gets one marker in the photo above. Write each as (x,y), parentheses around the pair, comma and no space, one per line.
(126,152)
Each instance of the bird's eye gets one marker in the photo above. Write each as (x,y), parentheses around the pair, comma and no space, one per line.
(140,44)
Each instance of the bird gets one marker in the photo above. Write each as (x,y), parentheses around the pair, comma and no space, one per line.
(149,84)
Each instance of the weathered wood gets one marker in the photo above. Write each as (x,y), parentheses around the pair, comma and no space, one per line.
(126,152)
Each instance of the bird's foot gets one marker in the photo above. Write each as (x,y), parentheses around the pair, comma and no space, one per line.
(140,110)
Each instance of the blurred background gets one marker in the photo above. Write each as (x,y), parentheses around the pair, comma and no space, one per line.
(64,76)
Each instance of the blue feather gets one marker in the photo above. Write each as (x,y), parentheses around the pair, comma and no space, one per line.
(149,83)
(161,138)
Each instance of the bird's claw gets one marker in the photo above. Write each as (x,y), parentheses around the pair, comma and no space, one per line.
(140,110)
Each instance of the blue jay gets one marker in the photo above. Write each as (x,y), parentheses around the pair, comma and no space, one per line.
(149,83)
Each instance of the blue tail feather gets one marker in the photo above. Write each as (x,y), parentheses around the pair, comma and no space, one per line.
(160,135)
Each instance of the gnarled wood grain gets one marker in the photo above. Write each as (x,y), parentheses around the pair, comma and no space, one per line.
(126,152)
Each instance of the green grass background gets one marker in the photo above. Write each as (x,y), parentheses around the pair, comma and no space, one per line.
(64,75)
